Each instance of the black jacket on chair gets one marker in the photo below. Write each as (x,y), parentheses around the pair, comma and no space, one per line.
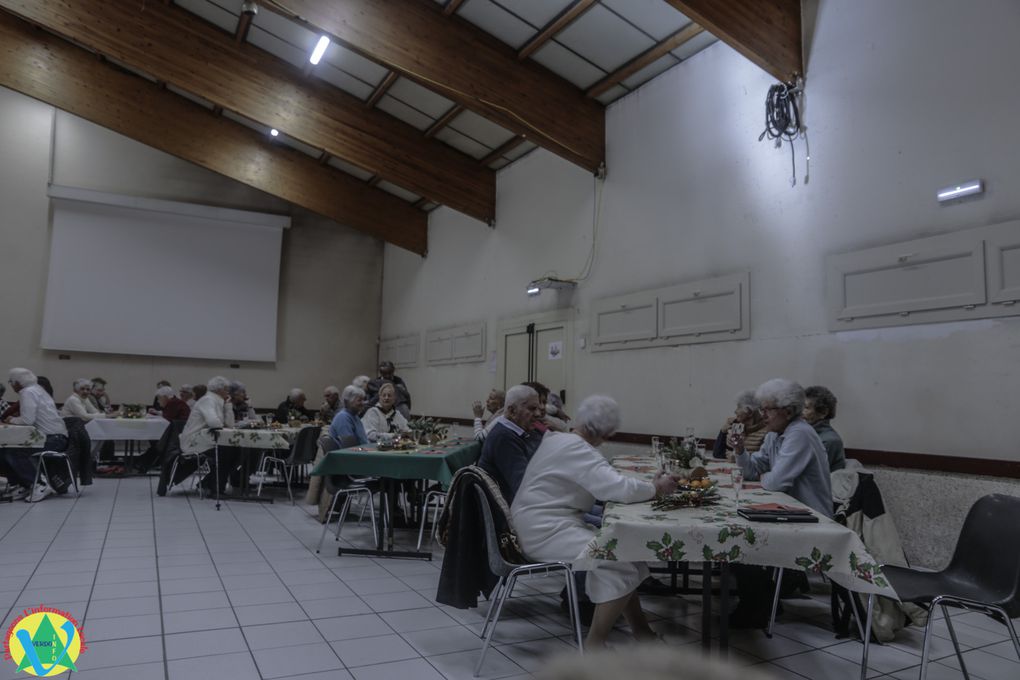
(79,449)
(465,571)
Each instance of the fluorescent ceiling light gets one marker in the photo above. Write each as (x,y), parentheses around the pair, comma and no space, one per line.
(274,132)
(969,188)
(320,49)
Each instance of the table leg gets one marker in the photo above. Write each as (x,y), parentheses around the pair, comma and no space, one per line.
(724,609)
(706,605)
(388,489)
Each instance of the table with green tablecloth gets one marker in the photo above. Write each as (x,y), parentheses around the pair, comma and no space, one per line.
(438,462)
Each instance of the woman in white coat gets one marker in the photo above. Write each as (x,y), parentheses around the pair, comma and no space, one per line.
(564,478)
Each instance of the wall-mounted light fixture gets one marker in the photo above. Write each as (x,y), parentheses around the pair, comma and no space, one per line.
(547,282)
(955,191)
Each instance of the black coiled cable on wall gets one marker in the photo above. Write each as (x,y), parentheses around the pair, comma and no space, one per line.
(782,122)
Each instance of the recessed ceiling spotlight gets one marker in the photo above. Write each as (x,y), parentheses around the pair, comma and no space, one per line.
(274,132)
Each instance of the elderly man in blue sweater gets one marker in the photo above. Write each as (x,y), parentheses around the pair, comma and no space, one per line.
(512,442)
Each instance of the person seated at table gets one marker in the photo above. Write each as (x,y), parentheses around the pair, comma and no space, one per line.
(330,404)
(99,397)
(172,408)
(186,394)
(747,413)
(293,408)
(199,392)
(3,403)
(244,414)
(384,417)
(563,479)
(35,409)
(386,374)
(346,428)
(791,460)
(361,382)
(494,406)
(78,404)
(819,410)
(555,416)
(512,441)
(212,412)
(154,409)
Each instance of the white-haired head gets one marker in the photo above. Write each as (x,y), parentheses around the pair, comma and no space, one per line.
(351,393)
(332,389)
(295,393)
(80,383)
(361,381)
(217,384)
(518,394)
(781,393)
(236,386)
(747,403)
(598,416)
(186,389)
(22,377)
(165,391)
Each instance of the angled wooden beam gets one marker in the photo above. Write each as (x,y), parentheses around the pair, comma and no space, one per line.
(644,59)
(444,120)
(768,32)
(47,68)
(511,143)
(381,89)
(176,46)
(452,6)
(465,64)
(569,14)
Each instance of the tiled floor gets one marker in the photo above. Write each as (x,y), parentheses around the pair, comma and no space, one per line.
(170,589)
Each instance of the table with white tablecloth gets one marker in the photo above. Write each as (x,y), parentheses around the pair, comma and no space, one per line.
(126,429)
(21,437)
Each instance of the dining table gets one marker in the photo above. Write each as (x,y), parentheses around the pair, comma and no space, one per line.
(715,535)
(437,462)
(21,437)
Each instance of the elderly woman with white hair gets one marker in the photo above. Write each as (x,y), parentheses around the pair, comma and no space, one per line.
(78,405)
(384,418)
(346,428)
(564,478)
(792,459)
(747,416)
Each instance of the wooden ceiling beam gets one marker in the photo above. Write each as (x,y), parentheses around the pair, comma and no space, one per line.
(381,89)
(47,68)
(452,6)
(444,120)
(463,63)
(768,32)
(569,14)
(506,146)
(647,57)
(174,45)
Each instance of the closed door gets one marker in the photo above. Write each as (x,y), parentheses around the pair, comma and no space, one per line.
(515,353)
(536,352)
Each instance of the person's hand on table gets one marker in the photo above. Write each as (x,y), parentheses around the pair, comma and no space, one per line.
(664,484)
(477,408)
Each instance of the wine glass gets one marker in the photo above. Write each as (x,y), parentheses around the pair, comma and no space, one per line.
(657,451)
(737,476)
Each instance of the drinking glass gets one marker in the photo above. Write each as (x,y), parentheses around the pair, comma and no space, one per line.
(657,452)
(737,475)
(267,419)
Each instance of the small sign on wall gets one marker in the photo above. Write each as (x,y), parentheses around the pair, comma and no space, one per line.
(555,350)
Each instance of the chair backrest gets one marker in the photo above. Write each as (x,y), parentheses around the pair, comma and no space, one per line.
(304,448)
(497,564)
(988,550)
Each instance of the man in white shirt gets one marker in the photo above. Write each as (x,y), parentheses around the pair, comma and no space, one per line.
(36,409)
(212,412)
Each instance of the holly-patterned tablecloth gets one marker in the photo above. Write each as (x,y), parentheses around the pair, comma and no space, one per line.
(716,533)
(247,438)
(20,437)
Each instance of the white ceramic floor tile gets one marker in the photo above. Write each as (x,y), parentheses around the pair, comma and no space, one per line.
(205,643)
(335,606)
(122,627)
(417,619)
(288,634)
(419,669)
(237,666)
(461,665)
(373,650)
(986,665)
(350,627)
(198,619)
(820,665)
(283,661)
(436,641)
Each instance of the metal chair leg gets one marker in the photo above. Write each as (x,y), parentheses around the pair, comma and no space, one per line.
(492,630)
(1011,629)
(74,480)
(926,644)
(956,643)
(775,602)
(325,525)
(575,614)
(343,514)
(867,636)
(287,473)
(38,473)
(492,601)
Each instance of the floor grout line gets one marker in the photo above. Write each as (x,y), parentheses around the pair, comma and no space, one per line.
(159,586)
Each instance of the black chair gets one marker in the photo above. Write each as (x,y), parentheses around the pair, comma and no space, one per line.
(302,452)
(508,573)
(983,576)
(347,487)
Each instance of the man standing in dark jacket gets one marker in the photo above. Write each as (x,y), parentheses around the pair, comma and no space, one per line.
(512,442)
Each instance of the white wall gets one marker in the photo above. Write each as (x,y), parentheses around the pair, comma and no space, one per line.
(902,98)
(326,334)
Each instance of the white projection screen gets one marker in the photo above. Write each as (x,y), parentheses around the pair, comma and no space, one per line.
(143,276)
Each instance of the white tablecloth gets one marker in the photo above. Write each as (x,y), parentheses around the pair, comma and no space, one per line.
(248,439)
(20,437)
(126,429)
(637,533)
